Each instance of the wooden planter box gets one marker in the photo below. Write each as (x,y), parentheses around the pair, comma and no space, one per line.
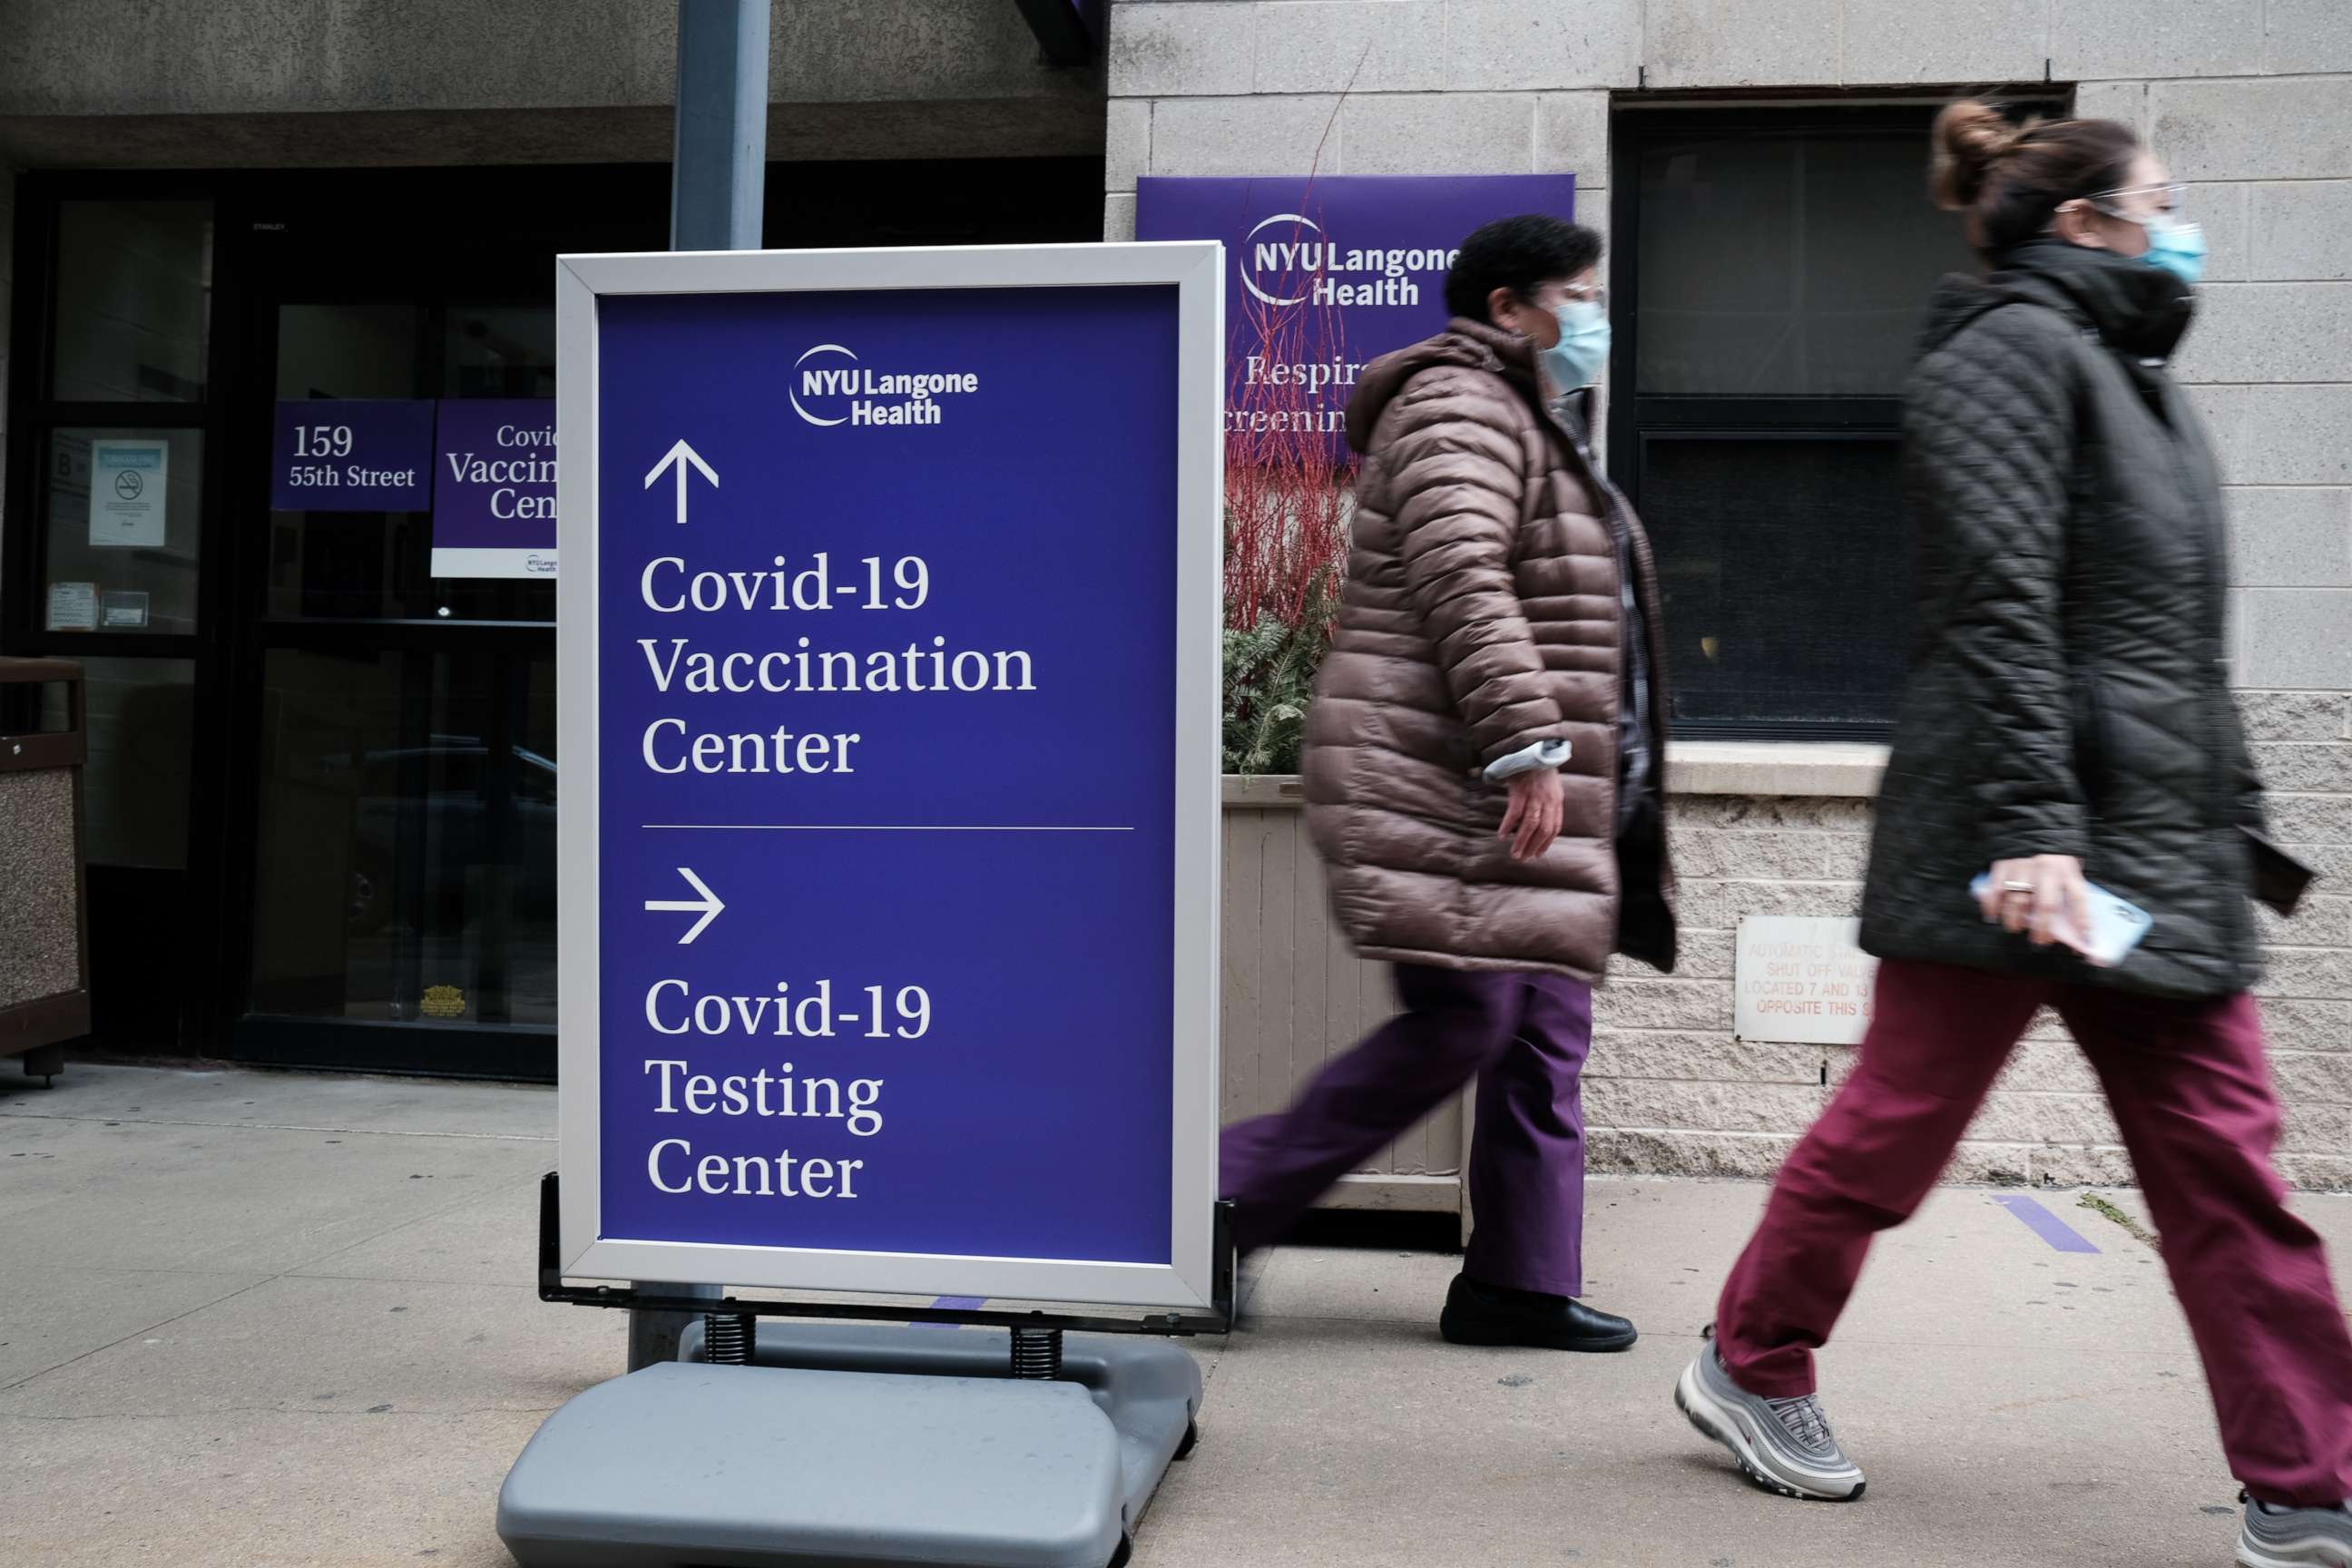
(1295,995)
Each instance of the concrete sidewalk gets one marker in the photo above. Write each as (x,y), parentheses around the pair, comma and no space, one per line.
(265,1318)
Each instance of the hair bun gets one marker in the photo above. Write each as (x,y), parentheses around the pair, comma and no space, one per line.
(1970,137)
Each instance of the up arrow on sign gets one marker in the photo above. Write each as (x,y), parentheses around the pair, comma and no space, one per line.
(708,906)
(678,457)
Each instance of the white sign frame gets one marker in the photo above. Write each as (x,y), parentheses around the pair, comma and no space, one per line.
(1196,270)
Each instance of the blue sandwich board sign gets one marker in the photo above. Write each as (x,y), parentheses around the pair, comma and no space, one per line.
(888,646)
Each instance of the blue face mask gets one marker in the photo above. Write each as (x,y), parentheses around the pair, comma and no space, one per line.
(2176,245)
(1582,352)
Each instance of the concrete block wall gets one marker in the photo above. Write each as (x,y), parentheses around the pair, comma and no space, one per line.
(2251,102)
(272,83)
(1360,86)
(1669,1089)
(259,56)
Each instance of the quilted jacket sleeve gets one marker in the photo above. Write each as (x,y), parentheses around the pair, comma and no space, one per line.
(1458,470)
(1991,422)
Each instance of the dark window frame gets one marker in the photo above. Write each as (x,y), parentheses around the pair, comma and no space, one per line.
(1634,418)
(36,413)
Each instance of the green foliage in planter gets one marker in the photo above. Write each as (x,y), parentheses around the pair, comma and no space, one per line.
(1269,680)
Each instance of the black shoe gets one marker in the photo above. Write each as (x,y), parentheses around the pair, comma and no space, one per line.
(1479,1314)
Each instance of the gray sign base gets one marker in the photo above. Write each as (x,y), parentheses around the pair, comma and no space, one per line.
(857,1447)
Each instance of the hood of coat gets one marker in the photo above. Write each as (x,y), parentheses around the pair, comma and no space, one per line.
(1463,343)
(2136,309)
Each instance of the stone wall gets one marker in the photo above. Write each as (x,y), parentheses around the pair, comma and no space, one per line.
(2251,101)
(1670,1090)
(281,83)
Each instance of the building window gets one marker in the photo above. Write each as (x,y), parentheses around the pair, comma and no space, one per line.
(133,301)
(1772,268)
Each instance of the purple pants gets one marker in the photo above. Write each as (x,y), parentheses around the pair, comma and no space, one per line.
(1524,1037)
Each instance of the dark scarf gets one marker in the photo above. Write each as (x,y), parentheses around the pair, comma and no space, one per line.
(2136,309)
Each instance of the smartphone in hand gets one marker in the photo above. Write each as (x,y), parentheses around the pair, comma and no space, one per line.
(2117,924)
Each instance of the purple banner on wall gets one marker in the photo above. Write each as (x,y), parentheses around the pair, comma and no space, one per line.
(494,489)
(1325,274)
(336,454)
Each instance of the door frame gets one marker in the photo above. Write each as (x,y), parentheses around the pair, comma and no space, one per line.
(486,233)
(330,264)
(262,258)
(34,413)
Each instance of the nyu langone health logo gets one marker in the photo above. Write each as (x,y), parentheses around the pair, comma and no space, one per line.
(829,386)
(1287,265)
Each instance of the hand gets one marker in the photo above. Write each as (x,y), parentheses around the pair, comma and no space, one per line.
(1532,820)
(2033,895)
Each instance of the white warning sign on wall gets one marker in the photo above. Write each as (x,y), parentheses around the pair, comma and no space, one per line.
(1801,980)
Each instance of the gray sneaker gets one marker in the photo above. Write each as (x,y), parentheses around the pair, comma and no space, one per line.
(2296,1537)
(1785,1445)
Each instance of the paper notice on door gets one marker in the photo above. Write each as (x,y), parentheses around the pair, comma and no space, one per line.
(122,610)
(126,493)
(73,606)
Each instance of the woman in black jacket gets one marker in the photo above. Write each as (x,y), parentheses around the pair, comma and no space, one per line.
(2068,718)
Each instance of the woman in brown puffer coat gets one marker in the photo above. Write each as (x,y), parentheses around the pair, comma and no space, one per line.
(1483,777)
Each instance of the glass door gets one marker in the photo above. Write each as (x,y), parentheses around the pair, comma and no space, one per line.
(402,678)
(324,768)
(119,402)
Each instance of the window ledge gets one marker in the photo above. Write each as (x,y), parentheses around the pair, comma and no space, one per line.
(1262,790)
(1832,768)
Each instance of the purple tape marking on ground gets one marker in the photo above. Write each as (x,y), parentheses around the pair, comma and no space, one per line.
(2047,1225)
(955,1304)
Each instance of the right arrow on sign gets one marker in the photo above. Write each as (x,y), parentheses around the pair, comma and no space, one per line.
(678,457)
(708,906)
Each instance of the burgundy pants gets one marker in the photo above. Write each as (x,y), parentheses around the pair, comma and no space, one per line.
(1524,1037)
(2191,1092)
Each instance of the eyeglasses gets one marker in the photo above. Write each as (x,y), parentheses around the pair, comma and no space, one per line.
(2171,197)
(1585,293)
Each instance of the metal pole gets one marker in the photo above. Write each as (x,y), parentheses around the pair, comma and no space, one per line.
(652,1336)
(718,177)
(719,157)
